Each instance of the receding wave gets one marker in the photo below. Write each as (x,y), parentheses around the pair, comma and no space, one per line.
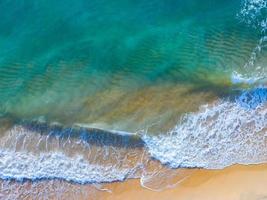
(221,134)
(187,74)
(224,133)
(23,165)
(253,13)
(38,151)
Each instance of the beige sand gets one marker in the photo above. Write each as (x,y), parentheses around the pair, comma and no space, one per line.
(233,183)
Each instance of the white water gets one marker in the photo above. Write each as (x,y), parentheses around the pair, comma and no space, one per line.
(219,135)
(227,132)
(254,14)
(24,165)
(33,154)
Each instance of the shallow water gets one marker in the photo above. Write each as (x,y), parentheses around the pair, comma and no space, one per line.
(112,64)
(100,91)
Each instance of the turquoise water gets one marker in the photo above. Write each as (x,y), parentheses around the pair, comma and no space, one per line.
(76,62)
(91,90)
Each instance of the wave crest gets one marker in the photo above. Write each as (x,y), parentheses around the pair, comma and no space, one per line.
(219,135)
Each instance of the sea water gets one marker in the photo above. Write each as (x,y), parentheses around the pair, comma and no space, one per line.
(101,91)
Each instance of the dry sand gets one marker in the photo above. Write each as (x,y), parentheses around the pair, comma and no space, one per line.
(233,183)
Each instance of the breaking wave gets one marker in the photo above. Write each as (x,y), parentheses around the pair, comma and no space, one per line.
(39,151)
(254,14)
(229,131)
(225,133)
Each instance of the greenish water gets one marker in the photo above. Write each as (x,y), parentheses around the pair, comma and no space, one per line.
(79,78)
(113,63)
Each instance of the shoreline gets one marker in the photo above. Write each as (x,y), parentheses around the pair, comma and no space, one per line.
(237,182)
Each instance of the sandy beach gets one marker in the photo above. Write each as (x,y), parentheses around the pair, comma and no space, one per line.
(133,100)
(233,183)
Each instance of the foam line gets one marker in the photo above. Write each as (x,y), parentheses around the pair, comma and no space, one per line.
(24,165)
(219,135)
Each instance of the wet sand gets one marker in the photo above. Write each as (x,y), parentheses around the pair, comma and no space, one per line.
(233,183)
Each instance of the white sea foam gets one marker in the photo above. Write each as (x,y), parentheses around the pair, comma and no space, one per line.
(32,154)
(254,13)
(24,165)
(219,135)
(238,78)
